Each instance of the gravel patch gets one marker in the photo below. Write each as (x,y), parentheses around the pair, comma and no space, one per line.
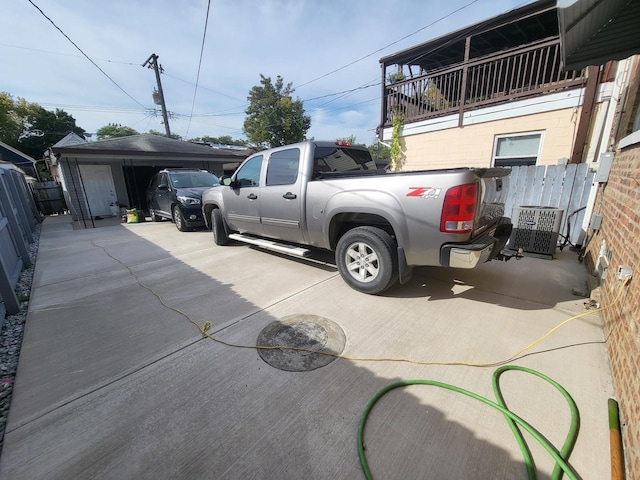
(11,336)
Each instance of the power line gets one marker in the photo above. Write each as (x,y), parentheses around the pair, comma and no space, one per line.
(82,52)
(95,108)
(352,90)
(66,54)
(203,88)
(387,46)
(195,90)
(346,107)
(232,111)
(344,93)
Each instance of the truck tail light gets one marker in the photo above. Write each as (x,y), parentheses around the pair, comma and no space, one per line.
(459,209)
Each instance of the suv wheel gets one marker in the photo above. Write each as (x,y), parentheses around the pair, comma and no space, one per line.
(154,216)
(178,219)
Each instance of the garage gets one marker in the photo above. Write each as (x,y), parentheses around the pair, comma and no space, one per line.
(100,178)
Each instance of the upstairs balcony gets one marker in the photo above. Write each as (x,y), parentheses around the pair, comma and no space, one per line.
(515,73)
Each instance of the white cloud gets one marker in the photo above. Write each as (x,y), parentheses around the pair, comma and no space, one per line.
(300,40)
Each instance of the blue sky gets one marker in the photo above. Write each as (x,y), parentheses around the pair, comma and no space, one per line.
(323,47)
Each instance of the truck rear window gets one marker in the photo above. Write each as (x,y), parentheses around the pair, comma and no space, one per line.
(340,159)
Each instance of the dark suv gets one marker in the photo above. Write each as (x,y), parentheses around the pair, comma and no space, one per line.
(176,194)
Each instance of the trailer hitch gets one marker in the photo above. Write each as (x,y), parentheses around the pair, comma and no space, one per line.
(506,255)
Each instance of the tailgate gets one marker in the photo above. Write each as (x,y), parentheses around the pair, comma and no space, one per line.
(493,192)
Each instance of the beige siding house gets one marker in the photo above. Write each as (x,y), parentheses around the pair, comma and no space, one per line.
(496,94)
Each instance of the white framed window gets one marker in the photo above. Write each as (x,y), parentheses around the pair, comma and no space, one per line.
(517,149)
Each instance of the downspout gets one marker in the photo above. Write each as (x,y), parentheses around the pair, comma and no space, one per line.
(383,110)
(586,114)
(463,87)
(608,132)
(621,100)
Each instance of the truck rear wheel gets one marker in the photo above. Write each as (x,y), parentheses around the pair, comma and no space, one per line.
(366,259)
(219,228)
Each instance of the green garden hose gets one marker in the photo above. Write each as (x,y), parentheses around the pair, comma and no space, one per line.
(561,457)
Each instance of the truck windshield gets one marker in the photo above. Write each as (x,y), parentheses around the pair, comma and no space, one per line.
(339,159)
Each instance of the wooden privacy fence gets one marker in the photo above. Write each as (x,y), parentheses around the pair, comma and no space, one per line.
(18,219)
(563,186)
(49,197)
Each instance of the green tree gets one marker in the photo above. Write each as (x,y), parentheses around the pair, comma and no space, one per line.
(114,130)
(175,136)
(19,120)
(10,122)
(222,140)
(273,117)
(379,151)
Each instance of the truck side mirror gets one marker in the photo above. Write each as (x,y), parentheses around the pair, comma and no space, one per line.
(226,181)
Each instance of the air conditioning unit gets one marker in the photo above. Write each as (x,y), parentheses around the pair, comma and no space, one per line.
(535,229)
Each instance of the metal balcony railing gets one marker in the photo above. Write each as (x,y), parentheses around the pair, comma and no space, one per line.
(523,72)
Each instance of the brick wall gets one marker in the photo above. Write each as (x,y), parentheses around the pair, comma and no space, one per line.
(618,201)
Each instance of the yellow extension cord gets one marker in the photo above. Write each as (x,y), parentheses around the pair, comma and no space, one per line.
(204,329)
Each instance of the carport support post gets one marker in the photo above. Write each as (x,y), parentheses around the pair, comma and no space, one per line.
(153,63)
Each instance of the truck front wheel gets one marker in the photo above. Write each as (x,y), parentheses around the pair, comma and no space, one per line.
(366,259)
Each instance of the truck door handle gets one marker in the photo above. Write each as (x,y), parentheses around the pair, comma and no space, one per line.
(289,196)
(252,196)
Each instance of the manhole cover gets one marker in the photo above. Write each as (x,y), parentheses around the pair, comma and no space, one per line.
(308,332)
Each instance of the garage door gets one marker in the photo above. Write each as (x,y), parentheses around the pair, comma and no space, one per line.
(99,189)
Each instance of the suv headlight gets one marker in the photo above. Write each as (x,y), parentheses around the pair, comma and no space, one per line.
(188,200)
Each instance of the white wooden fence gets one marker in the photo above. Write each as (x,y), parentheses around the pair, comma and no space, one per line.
(566,187)
(18,220)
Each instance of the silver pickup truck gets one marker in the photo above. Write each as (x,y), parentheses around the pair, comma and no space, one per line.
(379,224)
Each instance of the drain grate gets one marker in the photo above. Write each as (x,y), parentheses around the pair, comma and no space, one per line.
(310,332)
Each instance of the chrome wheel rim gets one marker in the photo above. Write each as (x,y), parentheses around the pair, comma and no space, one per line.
(362,262)
(177,218)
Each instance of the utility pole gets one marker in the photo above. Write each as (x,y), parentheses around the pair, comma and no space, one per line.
(152,62)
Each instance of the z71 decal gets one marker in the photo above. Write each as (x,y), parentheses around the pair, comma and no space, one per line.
(424,192)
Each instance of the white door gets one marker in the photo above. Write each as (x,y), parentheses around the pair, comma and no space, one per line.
(98,186)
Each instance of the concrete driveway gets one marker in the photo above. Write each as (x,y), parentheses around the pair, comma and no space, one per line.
(112,384)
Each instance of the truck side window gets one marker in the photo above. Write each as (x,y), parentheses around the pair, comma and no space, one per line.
(249,174)
(283,167)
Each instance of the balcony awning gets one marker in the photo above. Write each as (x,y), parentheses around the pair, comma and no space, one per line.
(592,32)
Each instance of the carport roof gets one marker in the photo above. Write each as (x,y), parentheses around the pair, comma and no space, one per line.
(15,156)
(147,145)
(593,32)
